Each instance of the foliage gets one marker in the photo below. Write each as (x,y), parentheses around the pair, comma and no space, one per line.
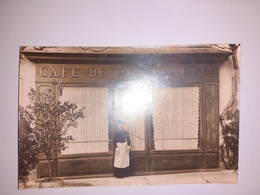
(50,120)
(230,133)
(26,157)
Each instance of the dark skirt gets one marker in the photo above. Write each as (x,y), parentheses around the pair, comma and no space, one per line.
(122,172)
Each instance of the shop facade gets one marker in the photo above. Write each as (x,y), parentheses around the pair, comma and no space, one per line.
(168,98)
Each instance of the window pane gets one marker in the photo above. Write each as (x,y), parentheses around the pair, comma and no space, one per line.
(176,118)
(91,135)
(131,110)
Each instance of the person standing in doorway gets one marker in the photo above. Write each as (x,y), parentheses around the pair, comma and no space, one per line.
(121,140)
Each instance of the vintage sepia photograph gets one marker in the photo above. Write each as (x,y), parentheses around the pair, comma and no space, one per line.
(123,116)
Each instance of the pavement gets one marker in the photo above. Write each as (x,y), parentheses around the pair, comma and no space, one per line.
(223,176)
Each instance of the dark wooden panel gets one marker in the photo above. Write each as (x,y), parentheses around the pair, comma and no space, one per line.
(42,168)
(139,163)
(211,160)
(85,166)
(211,116)
(92,166)
(172,162)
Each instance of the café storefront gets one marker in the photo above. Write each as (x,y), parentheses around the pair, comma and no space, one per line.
(168,98)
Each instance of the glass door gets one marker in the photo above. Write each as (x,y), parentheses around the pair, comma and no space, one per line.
(160,121)
(131,104)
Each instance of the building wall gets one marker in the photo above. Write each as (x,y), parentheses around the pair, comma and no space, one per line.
(26,80)
(227,83)
(226,75)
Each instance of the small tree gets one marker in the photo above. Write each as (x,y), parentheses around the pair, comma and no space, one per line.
(50,120)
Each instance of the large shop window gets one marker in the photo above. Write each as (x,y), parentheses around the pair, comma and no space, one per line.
(176,118)
(91,135)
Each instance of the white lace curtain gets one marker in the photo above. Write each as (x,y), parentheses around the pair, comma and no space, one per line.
(176,118)
(91,135)
(133,118)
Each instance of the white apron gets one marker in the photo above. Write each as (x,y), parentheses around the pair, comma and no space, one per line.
(121,155)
